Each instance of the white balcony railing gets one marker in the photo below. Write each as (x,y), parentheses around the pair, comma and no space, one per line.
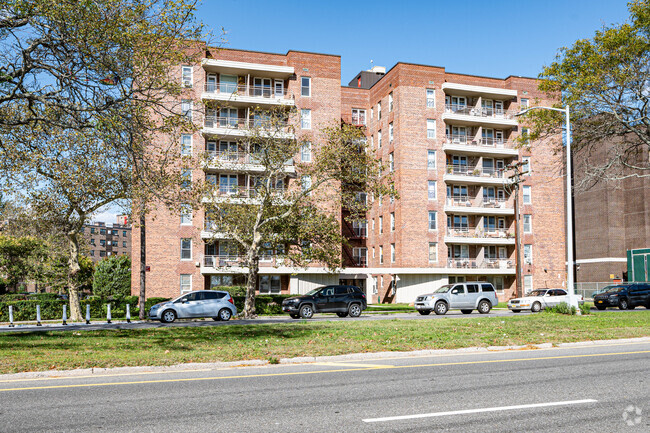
(244,90)
(238,157)
(485,263)
(465,170)
(497,143)
(238,191)
(239,123)
(485,233)
(230,260)
(497,113)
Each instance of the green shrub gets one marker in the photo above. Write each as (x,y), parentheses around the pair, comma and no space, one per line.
(264,304)
(112,277)
(233,290)
(562,308)
(585,309)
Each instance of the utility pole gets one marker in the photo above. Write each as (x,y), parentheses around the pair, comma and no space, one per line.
(515,180)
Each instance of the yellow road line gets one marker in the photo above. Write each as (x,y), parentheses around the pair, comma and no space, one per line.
(351,364)
(298,373)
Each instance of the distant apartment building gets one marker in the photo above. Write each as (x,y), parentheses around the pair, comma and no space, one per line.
(105,240)
(446,137)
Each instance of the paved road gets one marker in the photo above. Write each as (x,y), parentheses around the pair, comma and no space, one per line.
(567,389)
(119,324)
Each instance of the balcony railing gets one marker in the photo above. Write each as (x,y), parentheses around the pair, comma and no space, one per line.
(498,113)
(244,191)
(244,90)
(466,232)
(227,260)
(467,263)
(466,170)
(239,123)
(497,143)
(467,201)
(237,157)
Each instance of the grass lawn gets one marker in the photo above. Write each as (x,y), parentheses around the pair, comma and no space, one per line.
(40,351)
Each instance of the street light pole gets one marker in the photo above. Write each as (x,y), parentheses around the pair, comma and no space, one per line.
(569,203)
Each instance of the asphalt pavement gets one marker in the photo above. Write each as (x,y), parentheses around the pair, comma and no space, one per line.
(573,388)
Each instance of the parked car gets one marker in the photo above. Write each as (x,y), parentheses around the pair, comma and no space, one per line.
(540,299)
(468,296)
(342,300)
(624,296)
(202,303)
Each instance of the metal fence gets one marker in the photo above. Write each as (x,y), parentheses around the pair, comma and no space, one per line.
(588,290)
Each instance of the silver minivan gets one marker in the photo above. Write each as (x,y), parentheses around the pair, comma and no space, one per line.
(466,297)
(202,303)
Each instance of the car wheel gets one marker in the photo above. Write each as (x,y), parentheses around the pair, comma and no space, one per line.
(623,305)
(536,307)
(484,307)
(424,312)
(516,311)
(441,308)
(342,314)
(295,316)
(168,316)
(600,307)
(225,314)
(354,310)
(306,311)
(466,311)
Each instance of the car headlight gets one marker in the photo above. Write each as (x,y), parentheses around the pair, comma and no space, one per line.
(613,296)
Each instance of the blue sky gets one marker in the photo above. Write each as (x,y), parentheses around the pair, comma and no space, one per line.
(494,38)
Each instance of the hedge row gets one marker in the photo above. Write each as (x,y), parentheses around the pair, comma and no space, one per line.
(52,309)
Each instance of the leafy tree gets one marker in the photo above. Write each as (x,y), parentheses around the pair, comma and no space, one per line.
(18,258)
(606,82)
(292,208)
(113,277)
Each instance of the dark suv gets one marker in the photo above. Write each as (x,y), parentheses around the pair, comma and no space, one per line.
(624,297)
(342,300)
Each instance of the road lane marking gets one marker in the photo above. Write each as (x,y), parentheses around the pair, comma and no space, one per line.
(298,373)
(482,410)
(350,364)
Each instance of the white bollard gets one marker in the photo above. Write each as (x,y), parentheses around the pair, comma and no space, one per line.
(108,313)
(87,314)
(38,315)
(65,314)
(11,316)
(128,313)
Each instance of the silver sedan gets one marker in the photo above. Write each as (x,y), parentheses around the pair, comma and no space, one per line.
(202,303)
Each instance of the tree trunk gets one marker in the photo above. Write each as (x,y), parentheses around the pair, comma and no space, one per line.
(251,285)
(73,272)
(143,267)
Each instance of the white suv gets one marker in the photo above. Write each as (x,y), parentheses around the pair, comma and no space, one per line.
(468,296)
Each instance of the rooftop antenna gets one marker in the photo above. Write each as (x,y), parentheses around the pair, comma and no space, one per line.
(372,64)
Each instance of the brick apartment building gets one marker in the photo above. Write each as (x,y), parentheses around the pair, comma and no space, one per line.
(446,137)
(105,240)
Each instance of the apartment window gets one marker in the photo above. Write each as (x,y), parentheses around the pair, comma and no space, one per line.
(390,102)
(392,253)
(186,179)
(92,253)
(431,128)
(526,167)
(123,244)
(373,224)
(305,183)
(362,197)
(431,159)
(433,252)
(431,98)
(187,76)
(114,232)
(372,141)
(381,199)
(381,254)
(186,283)
(527,195)
(92,241)
(305,152)
(528,283)
(390,132)
(528,254)
(392,221)
(373,252)
(305,118)
(124,233)
(432,189)
(102,231)
(379,110)
(305,86)
(524,134)
(358,116)
(381,224)
(433,221)
(379,138)
(102,242)
(524,103)
(186,145)
(391,162)
(92,230)
(102,253)
(186,249)
(186,214)
(270,284)
(528,224)
(186,108)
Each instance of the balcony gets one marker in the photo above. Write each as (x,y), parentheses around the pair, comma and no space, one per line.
(461,114)
(227,161)
(236,194)
(242,94)
(482,91)
(465,145)
(485,263)
(240,127)
(236,263)
(464,174)
(463,204)
(465,235)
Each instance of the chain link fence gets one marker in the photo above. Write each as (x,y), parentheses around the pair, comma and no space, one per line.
(588,290)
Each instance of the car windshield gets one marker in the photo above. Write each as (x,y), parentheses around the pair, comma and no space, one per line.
(612,289)
(444,289)
(537,293)
(313,292)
